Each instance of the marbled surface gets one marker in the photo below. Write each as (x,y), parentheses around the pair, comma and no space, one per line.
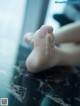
(58,86)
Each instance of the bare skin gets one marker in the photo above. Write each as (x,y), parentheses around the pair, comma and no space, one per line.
(67,34)
(45,54)
(43,49)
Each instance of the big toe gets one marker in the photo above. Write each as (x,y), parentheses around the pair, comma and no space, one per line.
(28,37)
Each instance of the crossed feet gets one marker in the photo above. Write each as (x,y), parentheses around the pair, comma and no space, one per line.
(44,50)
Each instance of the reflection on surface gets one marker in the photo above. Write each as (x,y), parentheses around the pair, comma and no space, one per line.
(58,86)
(7,58)
(11,22)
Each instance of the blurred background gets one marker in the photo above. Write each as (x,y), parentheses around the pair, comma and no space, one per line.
(16,18)
(20,16)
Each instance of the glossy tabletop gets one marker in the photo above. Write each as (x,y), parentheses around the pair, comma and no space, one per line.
(58,86)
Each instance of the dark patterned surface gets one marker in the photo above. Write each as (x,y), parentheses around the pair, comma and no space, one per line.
(58,86)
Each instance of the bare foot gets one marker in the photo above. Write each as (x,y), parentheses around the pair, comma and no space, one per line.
(29,38)
(40,57)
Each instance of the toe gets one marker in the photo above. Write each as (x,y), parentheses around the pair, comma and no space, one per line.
(47,45)
(51,40)
(40,34)
(28,37)
(47,28)
(44,30)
